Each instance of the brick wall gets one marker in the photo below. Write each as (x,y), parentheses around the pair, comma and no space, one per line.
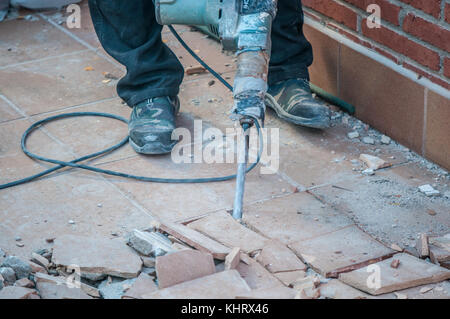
(413,33)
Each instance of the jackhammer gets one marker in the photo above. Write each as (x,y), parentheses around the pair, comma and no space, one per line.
(243,26)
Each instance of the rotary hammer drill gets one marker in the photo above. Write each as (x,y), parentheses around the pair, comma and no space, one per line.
(243,26)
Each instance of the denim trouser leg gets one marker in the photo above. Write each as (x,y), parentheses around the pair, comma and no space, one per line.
(128,31)
(291,52)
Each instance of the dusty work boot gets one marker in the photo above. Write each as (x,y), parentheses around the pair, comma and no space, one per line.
(292,100)
(151,125)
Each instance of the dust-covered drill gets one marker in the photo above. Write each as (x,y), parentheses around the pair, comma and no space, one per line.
(243,26)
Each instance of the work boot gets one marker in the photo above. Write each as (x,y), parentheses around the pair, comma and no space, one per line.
(151,125)
(292,100)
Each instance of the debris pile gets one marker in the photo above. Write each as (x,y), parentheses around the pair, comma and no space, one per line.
(218,257)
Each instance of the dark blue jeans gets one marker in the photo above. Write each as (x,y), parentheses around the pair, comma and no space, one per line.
(128,31)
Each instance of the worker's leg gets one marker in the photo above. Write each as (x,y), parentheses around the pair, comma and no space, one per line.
(291,52)
(130,34)
(289,92)
(128,31)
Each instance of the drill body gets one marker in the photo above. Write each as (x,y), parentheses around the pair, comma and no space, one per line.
(243,26)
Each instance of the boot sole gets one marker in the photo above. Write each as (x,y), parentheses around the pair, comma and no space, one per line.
(320,123)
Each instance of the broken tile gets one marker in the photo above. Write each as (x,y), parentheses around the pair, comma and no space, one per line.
(270,293)
(422,246)
(222,285)
(40,260)
(335,289)
(439,255)
(428,190)
(95,255)
(223,228)
(233,258)
(441,242)
(439,291)
(289,277)
(60,280)
(183,266)
(195,239)
(144,284)
(373,162)
(340,251)
(298,217)
(276,257)
(24,282)
(395,263)
(256,276)
(14,292)
(411,272)
(147,243)
(114,288)
(55,291)
(148,261)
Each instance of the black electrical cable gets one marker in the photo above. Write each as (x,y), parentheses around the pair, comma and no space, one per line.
(199,60)
(61,164)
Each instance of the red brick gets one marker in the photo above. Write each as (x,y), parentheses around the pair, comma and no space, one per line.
(389,12)
(352,37)
(447,12)
(427,31)
(403,45)
(432,7)
(387,55)
(447,67)
(428,76)
(312,15)
(334,10)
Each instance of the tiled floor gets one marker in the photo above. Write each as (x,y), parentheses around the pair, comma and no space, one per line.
(43,71)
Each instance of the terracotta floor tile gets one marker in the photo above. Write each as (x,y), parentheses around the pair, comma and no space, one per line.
(294,218)
(7,113)
(176,202)
(43,209)
(57,83)
(23,40)
(86,32)
(330,253)
(14,164)
(85,135)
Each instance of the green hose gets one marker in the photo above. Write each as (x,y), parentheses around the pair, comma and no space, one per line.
(324,95)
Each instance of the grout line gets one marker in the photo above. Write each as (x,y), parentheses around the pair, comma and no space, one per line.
(81,41)
(42,59)
(132,201)
(74,107)
(338,71)
(15,107)
(425,116)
